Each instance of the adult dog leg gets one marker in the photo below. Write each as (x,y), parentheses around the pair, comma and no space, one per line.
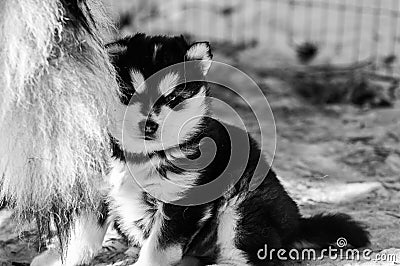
(84,242)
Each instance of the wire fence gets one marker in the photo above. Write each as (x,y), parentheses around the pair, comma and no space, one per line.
(346,32)
(360,31)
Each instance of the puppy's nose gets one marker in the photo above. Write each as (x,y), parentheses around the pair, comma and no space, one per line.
(149,127)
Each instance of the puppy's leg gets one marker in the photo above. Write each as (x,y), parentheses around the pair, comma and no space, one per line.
(228,235)
(156,251)
(85,240)
(172,230)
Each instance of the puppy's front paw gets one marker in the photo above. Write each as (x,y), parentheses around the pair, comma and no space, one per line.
(50,257)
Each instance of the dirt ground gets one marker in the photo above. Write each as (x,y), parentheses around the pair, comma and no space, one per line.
(331,158)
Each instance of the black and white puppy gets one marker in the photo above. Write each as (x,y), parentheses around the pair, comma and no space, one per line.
(164,120)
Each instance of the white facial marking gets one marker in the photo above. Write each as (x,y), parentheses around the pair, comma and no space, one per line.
(168,83)
(126,129)
(156,48)
(177,126)
(138,81)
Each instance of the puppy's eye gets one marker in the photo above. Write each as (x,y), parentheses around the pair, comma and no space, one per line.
(173,100)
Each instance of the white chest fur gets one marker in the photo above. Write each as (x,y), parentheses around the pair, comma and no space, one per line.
(128,183)
(126,201)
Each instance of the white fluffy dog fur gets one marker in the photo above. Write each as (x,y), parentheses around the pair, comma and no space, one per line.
(56,93)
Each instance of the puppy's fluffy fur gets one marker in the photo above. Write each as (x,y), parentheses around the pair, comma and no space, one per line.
(56,88)
(156,167)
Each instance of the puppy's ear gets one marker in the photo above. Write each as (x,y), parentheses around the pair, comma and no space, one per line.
(201,51)
(115,49)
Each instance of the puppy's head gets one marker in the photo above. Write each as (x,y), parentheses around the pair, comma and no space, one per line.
(163,91)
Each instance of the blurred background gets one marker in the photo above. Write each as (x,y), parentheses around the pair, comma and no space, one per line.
(330,71)
(342,32)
